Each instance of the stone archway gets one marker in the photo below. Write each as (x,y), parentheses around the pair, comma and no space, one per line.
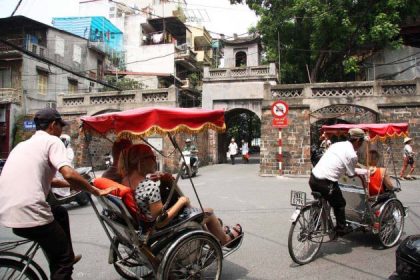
(336,114)
(241,124)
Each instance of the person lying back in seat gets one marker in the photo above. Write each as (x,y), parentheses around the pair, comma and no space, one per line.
(138,168)
(379,179)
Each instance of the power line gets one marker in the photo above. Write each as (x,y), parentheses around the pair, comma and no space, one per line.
(49,62)
(17,7)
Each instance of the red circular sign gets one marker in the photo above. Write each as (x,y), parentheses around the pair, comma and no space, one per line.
(279,109)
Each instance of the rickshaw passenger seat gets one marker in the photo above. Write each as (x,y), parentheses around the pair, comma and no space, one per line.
(316,195)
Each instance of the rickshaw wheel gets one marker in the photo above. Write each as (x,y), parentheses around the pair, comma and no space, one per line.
(198,256)
(304,239)
(391,222)
(130,266)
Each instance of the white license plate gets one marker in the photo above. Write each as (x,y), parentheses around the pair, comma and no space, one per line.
(298,198)
(295,215)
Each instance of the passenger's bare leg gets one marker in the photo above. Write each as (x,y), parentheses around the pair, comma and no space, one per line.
(214,226)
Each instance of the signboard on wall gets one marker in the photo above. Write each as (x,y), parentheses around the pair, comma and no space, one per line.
(29,125)
(279,109)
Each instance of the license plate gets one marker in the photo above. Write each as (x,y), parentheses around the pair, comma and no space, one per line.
(298,198)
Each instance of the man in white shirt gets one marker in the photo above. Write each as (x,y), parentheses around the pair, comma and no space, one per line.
(339,159)
(24,186)
(233,150)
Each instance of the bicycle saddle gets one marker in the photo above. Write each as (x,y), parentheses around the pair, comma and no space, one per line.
(316,195)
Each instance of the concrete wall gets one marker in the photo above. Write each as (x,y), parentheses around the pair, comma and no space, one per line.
(395,64)
(152,58)
(362,102)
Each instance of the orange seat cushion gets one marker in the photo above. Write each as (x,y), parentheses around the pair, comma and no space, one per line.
(124,192)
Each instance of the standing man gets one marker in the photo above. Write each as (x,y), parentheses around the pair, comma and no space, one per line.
(233,150)
(339,159)
(24,186)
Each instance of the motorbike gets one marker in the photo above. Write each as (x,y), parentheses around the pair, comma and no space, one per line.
(190,168)
(108,160)
(80,197)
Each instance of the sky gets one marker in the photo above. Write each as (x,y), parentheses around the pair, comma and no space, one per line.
(216,15)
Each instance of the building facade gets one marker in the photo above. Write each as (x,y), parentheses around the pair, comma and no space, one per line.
(37,62)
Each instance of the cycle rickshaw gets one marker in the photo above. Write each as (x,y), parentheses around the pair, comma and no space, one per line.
(182,250)
(382,214)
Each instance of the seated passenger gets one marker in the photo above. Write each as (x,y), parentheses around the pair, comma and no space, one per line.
(138,166)
(379,178)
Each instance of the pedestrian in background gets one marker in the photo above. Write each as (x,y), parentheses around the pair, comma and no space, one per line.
(233,150)
(245,151)
(408,159)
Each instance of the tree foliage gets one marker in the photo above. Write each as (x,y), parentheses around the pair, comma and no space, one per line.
(245,126)
(330,38)
(123,83)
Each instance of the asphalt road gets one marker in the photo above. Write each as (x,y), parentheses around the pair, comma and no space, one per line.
(261,206)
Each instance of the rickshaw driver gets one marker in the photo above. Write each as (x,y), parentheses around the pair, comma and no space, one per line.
(25,183)
(339,159)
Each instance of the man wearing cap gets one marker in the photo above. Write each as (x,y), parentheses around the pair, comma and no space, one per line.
(408,159)
(339,159)
(189,147)
(25,183)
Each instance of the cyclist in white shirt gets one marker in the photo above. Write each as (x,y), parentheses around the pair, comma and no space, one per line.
(339,159)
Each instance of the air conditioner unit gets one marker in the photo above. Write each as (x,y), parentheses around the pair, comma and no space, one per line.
(52,105)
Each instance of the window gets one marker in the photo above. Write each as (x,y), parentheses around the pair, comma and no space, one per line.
(34,47)
(42,82)
(240,59)
(73,85)
(5,78)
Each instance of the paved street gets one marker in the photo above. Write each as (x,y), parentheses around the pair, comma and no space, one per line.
(261,205)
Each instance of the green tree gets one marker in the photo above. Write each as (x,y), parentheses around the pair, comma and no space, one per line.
(330,38)
(123,83)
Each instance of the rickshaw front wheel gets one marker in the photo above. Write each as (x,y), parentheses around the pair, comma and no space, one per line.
(305,235)
(391,223)
(198,256)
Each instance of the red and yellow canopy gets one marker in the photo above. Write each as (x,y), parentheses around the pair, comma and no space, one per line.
(376,131)
(148,121)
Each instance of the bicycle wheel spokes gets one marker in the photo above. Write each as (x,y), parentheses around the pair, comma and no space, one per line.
(391,224)
(305,235)
(196,258)
(13,270)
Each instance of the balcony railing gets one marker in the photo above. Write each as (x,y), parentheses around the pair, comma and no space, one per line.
(402,88)
(10,95)
(268,71)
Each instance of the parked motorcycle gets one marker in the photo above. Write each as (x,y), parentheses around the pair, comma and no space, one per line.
(190,168)
(108,160)
(80,197)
